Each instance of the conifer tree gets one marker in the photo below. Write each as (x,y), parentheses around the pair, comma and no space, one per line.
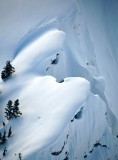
(12,111)
(0,138)
(8,71)
(20,156)
(9,110)
(4,152)
(16,108)
(10,132)
(3,123)
(3,138)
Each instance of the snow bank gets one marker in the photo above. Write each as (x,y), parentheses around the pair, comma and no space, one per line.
(84,34)
(38,50)
(47,107)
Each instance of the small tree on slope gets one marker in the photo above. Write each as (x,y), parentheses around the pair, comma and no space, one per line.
(4,152)
(12,111)
(9,110)
(20,156)
(9,133)
(8,71)
(16,108)
(3,138)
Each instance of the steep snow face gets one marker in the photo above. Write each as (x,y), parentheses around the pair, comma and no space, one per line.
(20,18)
(65,56)
(46,41)
(46,114)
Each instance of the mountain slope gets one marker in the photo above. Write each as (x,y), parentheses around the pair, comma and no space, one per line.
(65,57)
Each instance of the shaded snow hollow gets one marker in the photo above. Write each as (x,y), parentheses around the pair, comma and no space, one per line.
(80,33)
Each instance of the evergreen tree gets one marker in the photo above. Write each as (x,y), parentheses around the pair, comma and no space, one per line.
(12,111)
(16,108)
(9,110)
(3,138)
(3,123)
(4,152)
(8,71)
(20,156)
(10,132)
(0,138)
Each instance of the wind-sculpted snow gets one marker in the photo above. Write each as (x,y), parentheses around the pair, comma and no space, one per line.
(65,60)
(36,32)
(47,105)
(46,114)
(38,50)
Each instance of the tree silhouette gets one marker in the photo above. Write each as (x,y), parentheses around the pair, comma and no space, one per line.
(10,132)
(12,111)
(20,156)
(0,135)
(3,123)
(8,71)
(9,110)
(4,152)
(16,108)
(3,138)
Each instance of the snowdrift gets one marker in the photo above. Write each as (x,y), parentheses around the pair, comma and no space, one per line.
(65,57)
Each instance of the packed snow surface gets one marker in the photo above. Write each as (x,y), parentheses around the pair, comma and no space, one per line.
(65,57)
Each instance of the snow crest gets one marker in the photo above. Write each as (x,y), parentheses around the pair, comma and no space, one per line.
(65,57)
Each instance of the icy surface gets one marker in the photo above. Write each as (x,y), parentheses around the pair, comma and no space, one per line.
(82,81)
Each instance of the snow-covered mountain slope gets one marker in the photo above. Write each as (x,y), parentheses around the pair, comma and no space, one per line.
(65,57)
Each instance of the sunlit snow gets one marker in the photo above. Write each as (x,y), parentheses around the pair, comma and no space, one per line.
(65,57)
